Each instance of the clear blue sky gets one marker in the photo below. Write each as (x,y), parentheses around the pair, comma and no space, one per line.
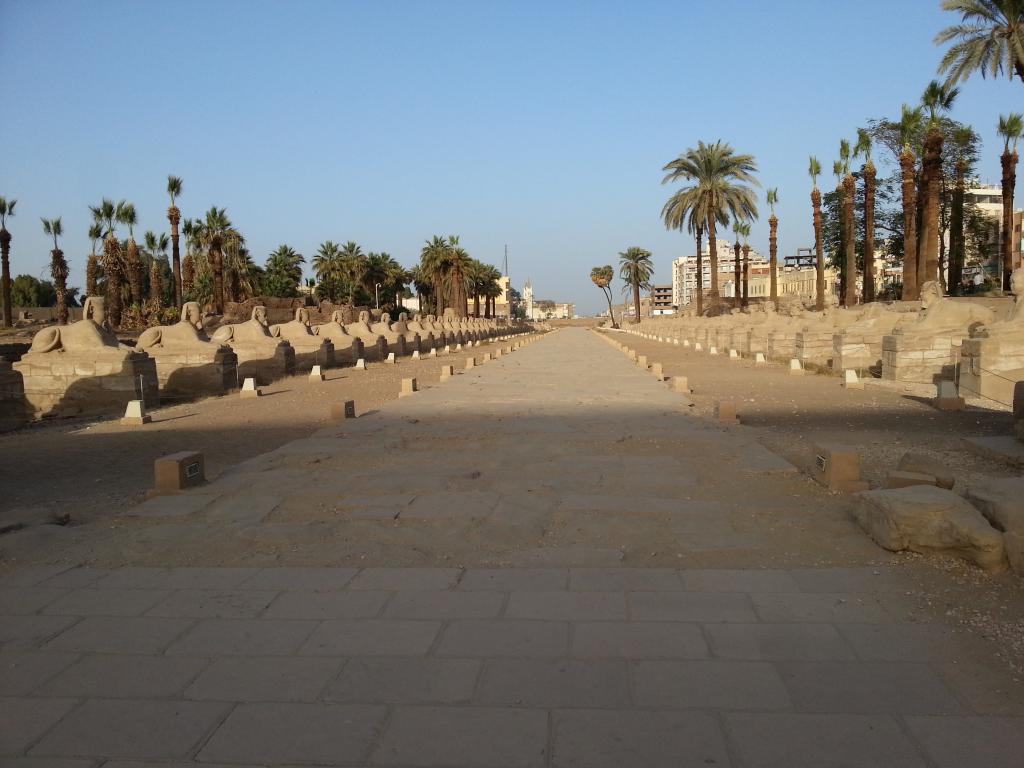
(540,125)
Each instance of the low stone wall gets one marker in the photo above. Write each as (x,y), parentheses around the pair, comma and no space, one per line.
(782,344)
(63,384)
(189,372)
(920,358)
(265,362)
(814,347)
(991,367)
(856,351)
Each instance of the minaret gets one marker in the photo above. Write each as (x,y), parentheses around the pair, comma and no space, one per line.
(528,298)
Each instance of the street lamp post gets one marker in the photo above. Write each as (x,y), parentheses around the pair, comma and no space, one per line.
(376,294)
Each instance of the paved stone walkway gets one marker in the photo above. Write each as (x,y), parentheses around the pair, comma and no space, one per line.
(564,664)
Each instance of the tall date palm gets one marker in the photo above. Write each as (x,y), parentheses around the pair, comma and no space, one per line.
(936,100)
(772,199)
(870,174)
(989,39)
(58,268)
(910,127)
(1011,127)
(6,210)
(635,270)
(174,187)
(814,170)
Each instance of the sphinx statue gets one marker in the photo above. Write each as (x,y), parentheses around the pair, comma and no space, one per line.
(413,339)
(927,349)
(82,368)
(188,363)
(375,345)
(426,334)
(310,349)
(858,346)
(396,341)
(343,342)
(452,328)
(261,355)
(438,329)
(992,357)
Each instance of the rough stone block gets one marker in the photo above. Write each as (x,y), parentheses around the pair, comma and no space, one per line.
(923,518)
(179,471)
(1002,503)
(135,414)
(900,479)
(390,359)
(656,369)
(725,412)
(697,347)
(249,388)
(345,410)
(734,355)
(915,461)
(947,397)
(447,371)
(470,363)
(408,387)
(837,467)
(680,384)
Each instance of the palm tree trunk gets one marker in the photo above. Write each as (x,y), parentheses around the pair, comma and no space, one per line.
(91,267)
(773,259)
(928,255)
(869,232)
(608,297)
(217,264)
(700,274)
(819,248)
(849,251)
(439,298)
(713,252)
(188,275)
(5,276)
(636,296)
(174,216)
(746,274)
(908,163)
(476,305)
(59,272)
(737,275)
(956,232)
(134,273)
(1009,163)
(112,270)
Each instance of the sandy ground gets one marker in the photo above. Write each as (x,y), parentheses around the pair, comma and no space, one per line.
(91,469)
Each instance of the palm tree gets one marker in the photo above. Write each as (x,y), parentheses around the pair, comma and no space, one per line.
(602,277)
(493,291)
(964,141)
(814,169)
(329,269)
(58,268)
(215,229)
(6,209)
(156,246)
(910,127)
(126,215)
(870,173)
(773,246)
(192,229)
(937,99)
(1011,127)
(455,276)
(92,262)
(283,272)
(635,269)
(717,192)
(737,229)
(433,263)
(107,214)
(354,264)
(678,213)
(174,187)
(849,187)
(745,233)
(990,39)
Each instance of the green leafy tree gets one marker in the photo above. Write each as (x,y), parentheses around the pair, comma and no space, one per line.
(602,277)
(6,210)
(717,193)
(282,272)
(28,291)
(989,39)
(635,271)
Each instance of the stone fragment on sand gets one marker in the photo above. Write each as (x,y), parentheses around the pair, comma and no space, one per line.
(925,519)
(1002,503)
(914,461)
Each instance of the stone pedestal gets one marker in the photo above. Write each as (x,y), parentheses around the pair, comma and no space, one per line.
(814,347)
(991,367)
(195,371)
(265,362)
(315,351)
(920,358)
(13,413)
(856,350)
(781,344)
(61,383)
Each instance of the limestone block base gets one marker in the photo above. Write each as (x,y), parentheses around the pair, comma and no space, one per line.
(265,362)
(186,372)
(781,345)
(814,347)
(991,367)
(920,358)
(309,354)
(856,351)
(60,384)
(13,414)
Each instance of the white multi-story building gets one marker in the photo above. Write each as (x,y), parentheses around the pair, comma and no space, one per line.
(542,309)
(684,272)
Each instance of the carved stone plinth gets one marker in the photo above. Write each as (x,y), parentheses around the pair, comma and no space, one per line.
(856,350)
(814,347)
(13,414)
(265,362)
(186,372)
(782,344)
(991,367)
(103,380)
(920,358)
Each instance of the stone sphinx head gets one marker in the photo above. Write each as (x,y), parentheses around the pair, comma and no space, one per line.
(337,316)
(385,318)
(259,314)
(302,315)
(192,314)
(403,317)
(931,293)
(364,317)
(431,318)
(94,309)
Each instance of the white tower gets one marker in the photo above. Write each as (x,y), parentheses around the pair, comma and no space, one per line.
(528,299)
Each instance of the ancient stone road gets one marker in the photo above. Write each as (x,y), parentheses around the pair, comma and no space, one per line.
(542,480)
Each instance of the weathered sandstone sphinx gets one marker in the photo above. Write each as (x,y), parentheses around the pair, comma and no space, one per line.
(310,349)
(397,343)
(375,346)
(992,359)
(81,368)
(260,355)
(928,348)
(345,345)
(438,330)
(414,340)
(426,334)
(859,346)
(187,362)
